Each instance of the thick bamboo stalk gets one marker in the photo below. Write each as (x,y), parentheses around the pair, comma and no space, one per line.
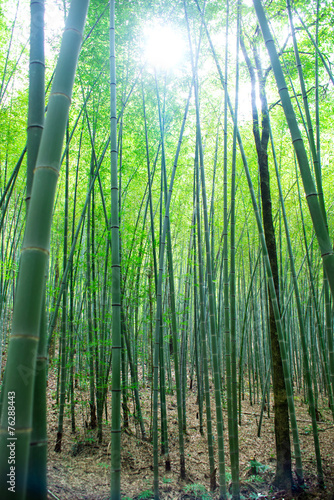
(37,481)
(312,198)
(36,105)
(22,350)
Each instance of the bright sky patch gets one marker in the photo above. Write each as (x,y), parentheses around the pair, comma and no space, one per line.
(164,46)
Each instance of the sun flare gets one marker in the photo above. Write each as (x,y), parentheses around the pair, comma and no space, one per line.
(164,46)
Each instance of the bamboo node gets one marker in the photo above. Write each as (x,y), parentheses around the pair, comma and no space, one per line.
(62,94)
(75,31)
(39,249)
(37,61)
(23,336)
(49,167)
(37,125)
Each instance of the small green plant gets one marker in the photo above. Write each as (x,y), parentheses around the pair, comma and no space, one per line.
(255,479)
(198,491)
(307,430)
(104,465)
(166,480)
(256,467)
(228,476)
(251,496)
(90,439)
(145,495)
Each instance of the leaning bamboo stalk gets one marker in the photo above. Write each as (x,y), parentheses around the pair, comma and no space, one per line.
(315,157)
(10,183)
(22,349)
(314,42)
(323,349)
(312,197)
(317,169)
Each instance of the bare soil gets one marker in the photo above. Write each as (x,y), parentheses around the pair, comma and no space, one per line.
(82,469)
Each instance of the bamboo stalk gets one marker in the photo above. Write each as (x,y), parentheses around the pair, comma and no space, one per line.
(22,350)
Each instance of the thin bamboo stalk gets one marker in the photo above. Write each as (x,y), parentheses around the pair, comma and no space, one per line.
(159,311)
(116,285)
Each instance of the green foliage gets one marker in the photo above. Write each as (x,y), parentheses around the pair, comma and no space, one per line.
(198,490)
(145,495)
(255,479)
(252,495)
(307,430)
(138,296)
(228,476)
(256,467)
(104,465)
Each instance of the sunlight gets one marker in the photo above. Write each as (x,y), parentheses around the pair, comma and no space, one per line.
(164,46)
(54,19)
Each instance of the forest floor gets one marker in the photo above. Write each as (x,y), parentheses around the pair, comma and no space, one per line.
(82,469)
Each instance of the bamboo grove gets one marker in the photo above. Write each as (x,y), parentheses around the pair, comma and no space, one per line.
(166,227)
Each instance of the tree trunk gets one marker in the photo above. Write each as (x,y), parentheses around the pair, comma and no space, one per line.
(283,477)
